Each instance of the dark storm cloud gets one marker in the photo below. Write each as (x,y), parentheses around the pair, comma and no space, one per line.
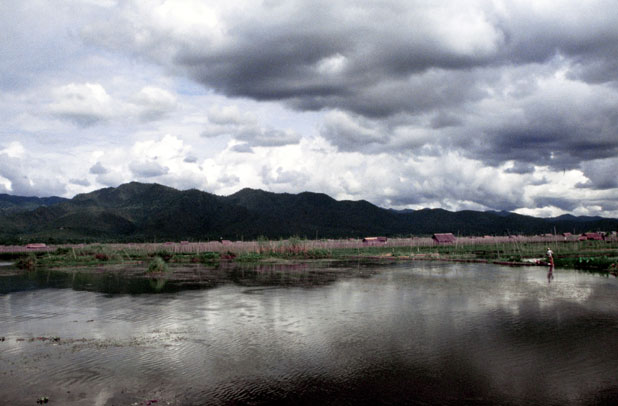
(609,205)
(443,119)
(557,127)
(381,59)
(370,69)
(585,33)
(381,97)
(370,58)
(350,133)
(508,84)
(456,189)
(560,202)
(446,62)
(601,174)
(376,59)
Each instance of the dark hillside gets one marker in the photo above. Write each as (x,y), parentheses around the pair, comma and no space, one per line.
(310,214)
(10,203)
(152,212)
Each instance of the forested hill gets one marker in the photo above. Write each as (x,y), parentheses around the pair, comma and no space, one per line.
(152,212)
(14,203)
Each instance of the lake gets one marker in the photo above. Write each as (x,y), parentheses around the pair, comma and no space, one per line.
(406,333)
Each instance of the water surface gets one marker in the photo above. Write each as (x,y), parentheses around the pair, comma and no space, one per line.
(416,333)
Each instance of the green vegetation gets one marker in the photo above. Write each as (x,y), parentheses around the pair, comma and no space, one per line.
(591,263)
(28,262)
(587,255)
(157,265)
(208,257)
(250,257)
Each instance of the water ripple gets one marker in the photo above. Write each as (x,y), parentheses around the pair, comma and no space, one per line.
(428,335)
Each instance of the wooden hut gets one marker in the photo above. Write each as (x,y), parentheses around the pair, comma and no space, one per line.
(443,238)
(374,240)
(593,236)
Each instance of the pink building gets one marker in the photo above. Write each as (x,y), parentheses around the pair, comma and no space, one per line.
(374,240)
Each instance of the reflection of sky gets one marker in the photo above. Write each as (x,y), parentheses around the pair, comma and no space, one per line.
(480,323)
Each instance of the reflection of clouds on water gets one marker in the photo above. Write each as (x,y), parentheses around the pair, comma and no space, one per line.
(500,287)
(566,285)
(499,332)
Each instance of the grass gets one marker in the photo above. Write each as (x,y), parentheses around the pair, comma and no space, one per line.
(28,262)
(593,255)
(157,265)
(594,263)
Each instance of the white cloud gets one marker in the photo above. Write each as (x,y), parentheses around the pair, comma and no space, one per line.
(280,176)
(487,104)
(111,179)
(13,150)
(168,149)
(153,103)
(331,65)
(267,137)
(98,169)
(242,148)
(85,104)
(148,169)
(245,129)
(79,182)
(160,160)
(230,115)
(21,176)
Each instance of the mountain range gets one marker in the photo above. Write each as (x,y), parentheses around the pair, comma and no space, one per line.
(12,203)
(153,212)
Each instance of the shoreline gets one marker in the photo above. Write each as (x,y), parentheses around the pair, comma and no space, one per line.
(599,256)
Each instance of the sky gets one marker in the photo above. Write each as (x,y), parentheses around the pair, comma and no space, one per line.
(482,105)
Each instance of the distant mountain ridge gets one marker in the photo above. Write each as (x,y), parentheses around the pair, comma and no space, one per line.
(12,203)
(152,212)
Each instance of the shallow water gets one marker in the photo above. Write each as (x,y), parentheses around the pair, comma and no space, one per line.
(417,333)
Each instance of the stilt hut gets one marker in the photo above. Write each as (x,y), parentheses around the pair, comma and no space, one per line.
(443,238)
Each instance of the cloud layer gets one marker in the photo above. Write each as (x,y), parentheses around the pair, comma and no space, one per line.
(502,105)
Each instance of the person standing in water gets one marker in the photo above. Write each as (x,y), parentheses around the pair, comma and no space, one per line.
(550,257)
